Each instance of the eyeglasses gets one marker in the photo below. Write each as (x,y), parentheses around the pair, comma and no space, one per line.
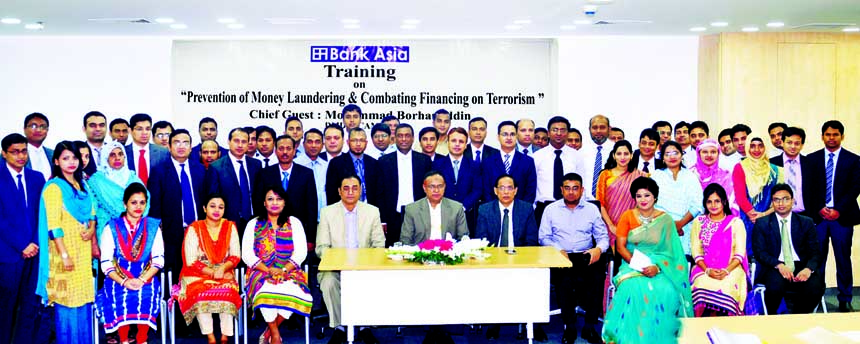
(182,143)
(436,186)
(673,153)
(380,137)
(506,188)
(162,135)
(782,200)
(38,126)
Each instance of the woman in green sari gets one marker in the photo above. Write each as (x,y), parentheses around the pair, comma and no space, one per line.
(649,298)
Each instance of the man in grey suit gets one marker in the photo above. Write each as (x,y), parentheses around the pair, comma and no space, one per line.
(433,216)
(142,156)
(351,224)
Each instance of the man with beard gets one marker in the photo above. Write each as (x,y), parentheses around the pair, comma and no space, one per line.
(355,163)
(596,153)
(94,128)
(208,130)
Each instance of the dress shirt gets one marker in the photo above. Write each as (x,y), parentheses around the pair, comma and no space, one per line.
(456,166)
(190,183)
(528,149)
(273,159)
(476,150)
(728,162)
(108,246)
(38,160)
(15,179)
(794,166)
(679,196)
(589,154)
(788,231)
(96,153)
(435,220)
(330,156)
(835,164)
(510,209)
(320,167)
(689,158)
(350,220)
(572,230)
(651,162)
(571,162)
(135,151)
(236,167)
(774,152)
(289,172)
(376,153)
(404,180)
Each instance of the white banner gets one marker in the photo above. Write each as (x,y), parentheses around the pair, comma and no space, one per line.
(250,83)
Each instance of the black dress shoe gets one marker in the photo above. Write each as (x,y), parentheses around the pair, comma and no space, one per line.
(367,337)
(569,336)
(338,337)
(591,335)
(492,332)
(845,307)
(540,335)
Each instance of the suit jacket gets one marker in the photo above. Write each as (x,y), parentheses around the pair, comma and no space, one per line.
(301,195)
(331,231)
(222,178)
(195,152)
(420,166)
(805,174)
(523,221)
(157,156)
(166,204)
(342,166)
(92,166)
(466,189)
(487,151)
(48,152)
(18,222)
(658,163)
(416,221)
(767,242)
(846,186)
(522,169)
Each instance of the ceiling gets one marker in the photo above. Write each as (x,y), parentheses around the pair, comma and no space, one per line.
(535,18)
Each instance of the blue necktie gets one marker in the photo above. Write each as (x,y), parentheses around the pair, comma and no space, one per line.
(188,211)
(507,163)
(359,170)
(285,181)
(478,157)
(828,193)
(456,170)
(598,166)
(245,190)
(21,195)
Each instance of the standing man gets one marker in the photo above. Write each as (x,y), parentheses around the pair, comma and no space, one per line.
(333,141)
(232,177)
(351,117)
(541,138)
(266,146)
(19,249)
(728,158)
(596,154)
(574,139)
(252,141)
(94,128)
(428,140)
(293,127)
(739,139)
(682,136)
(312,160)
(355,163)
(477,150)
(509,161)
(392,122)
(832,202)
(577,230)
(525,136)
(119,130)
(381,138)
(404,172)
(442,122)
(161,131)
(775,131)
(462,175)
(645,157)
(664,129)
(36,127)
(699,132)
(433,216)
(552,163)
(208,130)
(794,164)
(616,134)
(347,223)
(142,156)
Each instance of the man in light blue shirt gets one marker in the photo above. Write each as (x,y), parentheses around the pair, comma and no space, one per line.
(313,144)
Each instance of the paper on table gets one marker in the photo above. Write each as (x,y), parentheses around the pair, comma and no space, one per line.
(819,334)
(639,261)
(719,336)
(854,336)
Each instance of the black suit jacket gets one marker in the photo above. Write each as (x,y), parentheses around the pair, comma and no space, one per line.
(522,169)
(18,221)
(92,167)
(157,156)
(420,166)
(301,195)
(805,174)
(195,152)
(658,163)
(342,166)
(466,189)
(524,224)
(222,178)
(487,151)
(166,204)
(846,186)
(767,242)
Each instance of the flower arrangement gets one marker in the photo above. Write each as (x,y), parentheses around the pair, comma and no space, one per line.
(441,251)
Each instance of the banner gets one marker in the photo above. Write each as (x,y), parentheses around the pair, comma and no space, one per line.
(251,83)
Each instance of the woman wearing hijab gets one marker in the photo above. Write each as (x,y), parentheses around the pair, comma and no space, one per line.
(754,178)
(109,184)
(708,170)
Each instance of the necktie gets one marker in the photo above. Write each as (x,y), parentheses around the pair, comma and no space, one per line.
(787,257)
(266,161)
(285,180)
(22,196)
(478,156)
(598,166)
(828,193)
(142,167)
(188,211)
(359,170)
(456,170)
(557,175)
(507,163)
(791,174)
(506,228)
(245,191)
(526,151)
(645,166)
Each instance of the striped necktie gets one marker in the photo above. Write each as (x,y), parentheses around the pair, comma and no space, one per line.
(598,166)
(507,163)
(828,193)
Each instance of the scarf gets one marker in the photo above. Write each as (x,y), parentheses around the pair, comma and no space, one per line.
(118,176)
(758,173)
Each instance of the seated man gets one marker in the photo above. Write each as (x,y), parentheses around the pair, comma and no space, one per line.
(351,224)
(433,216)
(578,231)
(788,255)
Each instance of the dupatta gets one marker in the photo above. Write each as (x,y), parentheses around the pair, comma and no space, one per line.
(719,252)
(274,247)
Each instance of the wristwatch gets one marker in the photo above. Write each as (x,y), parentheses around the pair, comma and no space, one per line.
(64,255)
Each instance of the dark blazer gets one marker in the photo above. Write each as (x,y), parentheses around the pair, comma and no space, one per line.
(18,222)
(342,166)
(222,178)
(846,186)
(301,195)
(767,242)
(93,166)
(157,156)
(420,166)
(467,188)
(195,152)
(522,169)
(524,224)
(486,152)
(658,163)
(805,174)
(166,204)
(48,152)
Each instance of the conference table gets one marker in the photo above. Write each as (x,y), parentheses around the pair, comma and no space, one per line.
(775,329)
(504,288)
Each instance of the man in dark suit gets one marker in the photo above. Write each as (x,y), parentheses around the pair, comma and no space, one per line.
(477,150)
(232,177)
(404,172)
(36,126)
(794,164)
(142,156)
(832,203)
(355,163)
(299,183)
(522,224)
(784,234)
(19,260)
(512,162)
(208,130)
(462,175)
(645,158)
(95,128)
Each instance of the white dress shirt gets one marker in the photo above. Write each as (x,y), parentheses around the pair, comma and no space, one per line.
(38,160)
(788,231)
(15,179)
(375,153)
(236,167)
(135,151)
(404,180)
(689,158)
(571,162)
(190,184)
(435,220)
(528,150)
(289,172)
(728,162)
(96,152)
(650,162)
(589,154)
(835,163)
(476,150)
(510,209)
(273,159)
(320,167)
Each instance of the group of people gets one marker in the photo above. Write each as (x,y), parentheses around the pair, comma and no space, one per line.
(696,210)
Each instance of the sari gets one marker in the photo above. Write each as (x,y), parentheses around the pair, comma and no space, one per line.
(754,180)
(199,293)
(613,192)
(646,310)
(714,174)
(717,243)
(277,248)
(108,186)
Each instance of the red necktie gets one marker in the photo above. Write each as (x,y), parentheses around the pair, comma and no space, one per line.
(141,167)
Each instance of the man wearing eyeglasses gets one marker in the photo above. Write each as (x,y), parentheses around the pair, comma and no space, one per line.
(161,133)
(142,156)
(355,163)
(36,130)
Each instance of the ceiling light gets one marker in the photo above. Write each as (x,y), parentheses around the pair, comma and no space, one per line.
(851,29)
(349,21)
(352,26)
(164,20)
(290,21)
(235,26)
(10,21)
(719,24)
(750,29)
(522,21)
(35,26)
(411,22)
(698,29)
(513,27)
(408,27)
(599,2)
(178,26)
(582,22)
(226,20)
(589,8)
(567,27)
(775,24)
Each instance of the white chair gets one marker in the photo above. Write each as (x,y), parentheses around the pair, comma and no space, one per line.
(243,314)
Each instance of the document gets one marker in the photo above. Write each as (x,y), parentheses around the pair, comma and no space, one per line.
(639,261)
(719,336)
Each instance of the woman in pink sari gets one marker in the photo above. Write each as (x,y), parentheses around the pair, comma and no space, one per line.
(613,186)
(718,245)
(708,170)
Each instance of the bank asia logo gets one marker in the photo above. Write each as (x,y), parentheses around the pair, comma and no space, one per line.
(359,53)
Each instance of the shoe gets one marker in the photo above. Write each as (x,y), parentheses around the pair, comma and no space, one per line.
(367,337)
(845,307)
(540,335)
(338,337)
(591,335)
(569,336)
(492,332)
